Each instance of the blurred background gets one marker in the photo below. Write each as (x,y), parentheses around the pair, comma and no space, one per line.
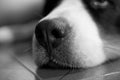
(19,11)
(17,22)
(17,18)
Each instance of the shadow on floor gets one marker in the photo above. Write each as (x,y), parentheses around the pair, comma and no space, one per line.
(11,69)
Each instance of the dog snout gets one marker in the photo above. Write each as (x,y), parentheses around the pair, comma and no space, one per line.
(51,33)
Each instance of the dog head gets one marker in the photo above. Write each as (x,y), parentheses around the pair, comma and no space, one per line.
(77,33)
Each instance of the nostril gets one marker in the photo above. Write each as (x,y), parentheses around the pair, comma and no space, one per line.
(40,35)
(58,33)
(52,33)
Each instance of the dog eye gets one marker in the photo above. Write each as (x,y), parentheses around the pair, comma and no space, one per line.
(100,4)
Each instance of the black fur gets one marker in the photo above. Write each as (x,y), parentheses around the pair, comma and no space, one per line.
(108,17)
(50,5)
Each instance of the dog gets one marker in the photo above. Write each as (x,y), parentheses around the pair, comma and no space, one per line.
(77,33)
(73,33)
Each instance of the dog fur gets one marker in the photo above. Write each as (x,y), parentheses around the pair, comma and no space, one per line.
(92,28)
(93,38)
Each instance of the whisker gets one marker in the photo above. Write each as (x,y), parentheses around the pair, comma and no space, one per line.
(112,73)
(65,74)
(28,50)
(101,76)
(112,48)
(23,65)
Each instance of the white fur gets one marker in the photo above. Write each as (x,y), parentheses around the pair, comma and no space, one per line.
(87,45)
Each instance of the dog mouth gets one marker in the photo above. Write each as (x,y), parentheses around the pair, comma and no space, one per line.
(55,61)
(54,64)
(59,58)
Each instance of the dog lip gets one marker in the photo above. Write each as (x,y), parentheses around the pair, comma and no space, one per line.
(52,64)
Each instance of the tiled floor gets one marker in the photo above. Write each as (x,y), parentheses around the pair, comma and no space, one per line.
(11,69)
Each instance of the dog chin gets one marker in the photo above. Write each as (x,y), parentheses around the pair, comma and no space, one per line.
(66,57)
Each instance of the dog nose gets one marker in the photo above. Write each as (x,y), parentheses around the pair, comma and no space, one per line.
(51,33)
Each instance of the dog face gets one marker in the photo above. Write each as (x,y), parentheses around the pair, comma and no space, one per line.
(78,33)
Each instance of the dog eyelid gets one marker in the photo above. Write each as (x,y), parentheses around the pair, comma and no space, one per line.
(100,4)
